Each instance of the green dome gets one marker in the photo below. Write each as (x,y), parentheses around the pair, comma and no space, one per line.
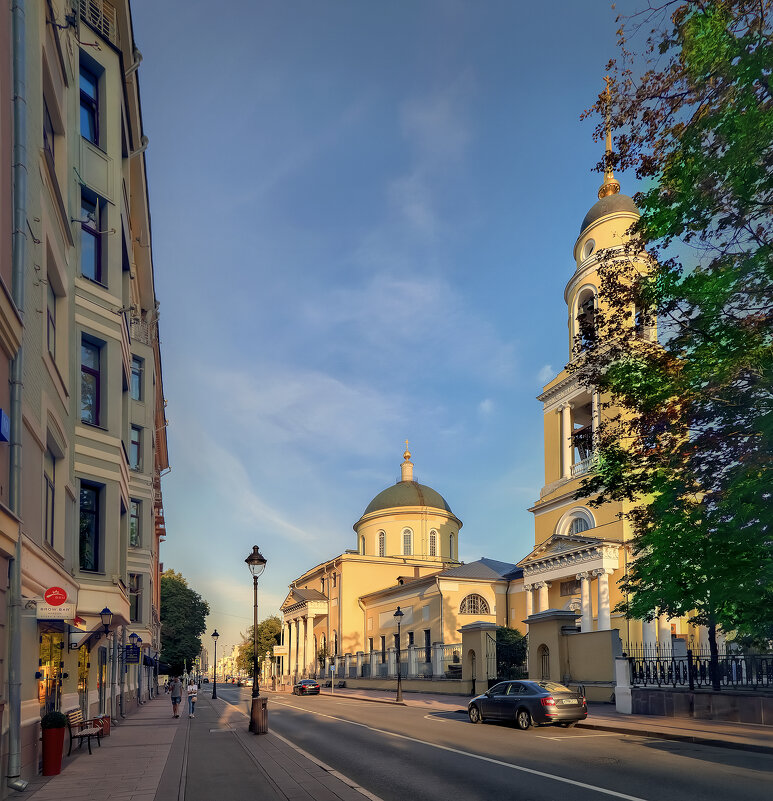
(609,205)
(407,493)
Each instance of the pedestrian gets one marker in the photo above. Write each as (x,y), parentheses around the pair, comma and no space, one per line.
(166,686)
(192,693)
(176,688)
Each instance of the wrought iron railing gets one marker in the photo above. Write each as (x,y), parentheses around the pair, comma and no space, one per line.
(101,16)
(737,671)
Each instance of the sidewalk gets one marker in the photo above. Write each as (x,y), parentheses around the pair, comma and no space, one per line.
(604,717)
(151,756)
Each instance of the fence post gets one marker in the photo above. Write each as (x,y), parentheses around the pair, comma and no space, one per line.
(437,659)
(413,662)
(391,661)
(691,681)
(623,699)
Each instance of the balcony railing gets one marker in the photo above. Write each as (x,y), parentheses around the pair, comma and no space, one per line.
(100,15)
(584,466)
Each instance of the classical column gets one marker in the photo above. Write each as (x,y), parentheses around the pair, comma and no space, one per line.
(311,657)
(604,619)
(664,634)
(543,586)
(294,647)
(566,440)
(649,636)
(586,621)
(285,641)
(527,588)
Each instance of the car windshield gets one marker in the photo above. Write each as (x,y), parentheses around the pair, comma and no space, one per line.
(554,687)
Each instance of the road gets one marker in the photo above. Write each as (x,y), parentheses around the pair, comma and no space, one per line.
(401,752)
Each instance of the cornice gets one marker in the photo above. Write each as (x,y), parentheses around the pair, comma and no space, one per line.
(572,560)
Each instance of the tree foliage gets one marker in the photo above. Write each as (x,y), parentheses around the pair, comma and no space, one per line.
(690,451)
(269,635)
(183,621)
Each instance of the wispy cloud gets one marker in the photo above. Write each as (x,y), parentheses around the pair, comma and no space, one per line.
(545,374)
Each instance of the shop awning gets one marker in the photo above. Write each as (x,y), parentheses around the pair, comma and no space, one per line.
(79,638)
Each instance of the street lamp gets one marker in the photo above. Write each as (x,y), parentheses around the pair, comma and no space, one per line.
(215,635)
(398,616)
(107,618)
(133,638)
(257,564)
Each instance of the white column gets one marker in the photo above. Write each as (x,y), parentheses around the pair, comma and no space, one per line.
(586,621)
(293,648)
(311,657)
(664,635)
(359,664)
(649,636)
(527,588)
(566,440)
(543,586)
(604,618)
(285,641)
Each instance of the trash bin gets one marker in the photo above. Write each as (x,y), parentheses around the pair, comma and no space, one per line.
(259,715)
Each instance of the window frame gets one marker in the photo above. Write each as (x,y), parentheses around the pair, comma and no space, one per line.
(89,104)
(137,370)
(474,604)
(96,375)
(407,537)
(433,542)
(382,543)
(49,490)
(51,321)
(135,523)
(135,448)
(95,490)
(135,594)
(49,134)
(91,228)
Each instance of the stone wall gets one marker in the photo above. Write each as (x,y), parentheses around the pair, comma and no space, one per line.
(735,707)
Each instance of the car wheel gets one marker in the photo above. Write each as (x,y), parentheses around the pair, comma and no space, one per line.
(475,716)
(569,724)
(523,719)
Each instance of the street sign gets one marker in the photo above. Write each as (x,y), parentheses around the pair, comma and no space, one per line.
(132,654)
(55,596)
(60,612)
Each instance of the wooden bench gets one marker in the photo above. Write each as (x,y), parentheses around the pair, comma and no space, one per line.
(82,729)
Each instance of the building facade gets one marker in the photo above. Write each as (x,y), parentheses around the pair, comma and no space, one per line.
(87,422)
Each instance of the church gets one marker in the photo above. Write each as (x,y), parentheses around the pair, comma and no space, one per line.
(407,539)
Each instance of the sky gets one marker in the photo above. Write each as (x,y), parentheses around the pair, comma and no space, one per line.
(363,219)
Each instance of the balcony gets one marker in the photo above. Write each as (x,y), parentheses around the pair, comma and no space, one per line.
(100,15)
(584,466)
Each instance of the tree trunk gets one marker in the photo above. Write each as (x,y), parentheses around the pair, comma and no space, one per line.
(714,658)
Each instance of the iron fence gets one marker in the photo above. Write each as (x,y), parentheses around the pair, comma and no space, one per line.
(736,671)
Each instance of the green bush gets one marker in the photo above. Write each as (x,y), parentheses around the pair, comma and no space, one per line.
(53,720)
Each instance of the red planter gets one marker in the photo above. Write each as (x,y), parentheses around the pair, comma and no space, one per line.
(104,721)
(53,745)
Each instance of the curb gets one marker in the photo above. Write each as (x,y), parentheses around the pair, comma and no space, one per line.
(684,738)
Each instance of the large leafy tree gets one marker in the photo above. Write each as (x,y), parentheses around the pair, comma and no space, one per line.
(690,450)
(183,621)
(269,635)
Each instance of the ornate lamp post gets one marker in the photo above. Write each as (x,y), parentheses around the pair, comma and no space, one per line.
(257,564)
(215,635)
(107,618)
(398,616)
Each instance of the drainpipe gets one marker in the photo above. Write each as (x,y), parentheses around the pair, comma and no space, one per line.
(123,669)
(437,582)
(19,243)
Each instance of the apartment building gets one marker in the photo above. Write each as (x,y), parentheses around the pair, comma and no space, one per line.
(87,421)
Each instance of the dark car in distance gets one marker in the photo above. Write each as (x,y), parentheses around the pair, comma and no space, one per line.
(526,702)
(306,687)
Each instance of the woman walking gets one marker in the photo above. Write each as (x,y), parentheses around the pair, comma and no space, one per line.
(176,688)
(192,691)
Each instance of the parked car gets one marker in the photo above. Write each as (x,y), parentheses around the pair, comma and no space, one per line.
(527,702)
(205,680)
(306,687)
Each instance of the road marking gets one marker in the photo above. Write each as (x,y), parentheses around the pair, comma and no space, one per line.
(574,736)
(490,760)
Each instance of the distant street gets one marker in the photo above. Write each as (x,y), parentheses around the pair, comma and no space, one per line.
(402,752)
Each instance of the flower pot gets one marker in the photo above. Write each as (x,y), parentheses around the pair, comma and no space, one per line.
(53,745)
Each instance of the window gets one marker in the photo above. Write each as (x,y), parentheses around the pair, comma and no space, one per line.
(397,641)
(410,638)
(381,543)
(362,545)
(135,449)
(474,605)
(89,86)
(49,482)
(571,587)
(383,649)
(135,512)
(90,382)
(578,525)
(136,385)
(433,542)
(322,585)
(48,136)
(334,579)
(370,645)
(451,554)
(51,321)
(427,646)
(91,241)
(586,319)
(135,593)
(407,542)
(89,527)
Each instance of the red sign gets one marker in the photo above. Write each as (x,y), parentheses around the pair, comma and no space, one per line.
(55,596)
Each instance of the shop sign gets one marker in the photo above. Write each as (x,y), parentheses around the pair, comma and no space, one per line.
(132,654)
(60,612)
(55,596)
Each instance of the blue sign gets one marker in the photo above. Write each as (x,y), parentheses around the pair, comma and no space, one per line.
(132,654)
(5,427)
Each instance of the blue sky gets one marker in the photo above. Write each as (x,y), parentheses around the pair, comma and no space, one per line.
(363,221)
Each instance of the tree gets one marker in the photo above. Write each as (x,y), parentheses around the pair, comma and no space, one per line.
(690,449)
(512,648)
(183,621)
(269,635)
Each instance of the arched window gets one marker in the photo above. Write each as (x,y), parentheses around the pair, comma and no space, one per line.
(578,525)
(451,554)
(362,545)
(586,318)
(433,542)
(407,542)
(335,643)
(474,605)
(543,652)
(382,543)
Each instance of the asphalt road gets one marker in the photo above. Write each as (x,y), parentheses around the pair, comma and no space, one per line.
(400,753)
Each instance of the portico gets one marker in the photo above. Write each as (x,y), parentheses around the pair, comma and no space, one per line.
(302,610)
(560,572)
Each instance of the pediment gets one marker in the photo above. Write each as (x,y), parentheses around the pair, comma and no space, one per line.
(560,544)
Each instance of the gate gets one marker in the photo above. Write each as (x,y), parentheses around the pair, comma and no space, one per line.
(506,660)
